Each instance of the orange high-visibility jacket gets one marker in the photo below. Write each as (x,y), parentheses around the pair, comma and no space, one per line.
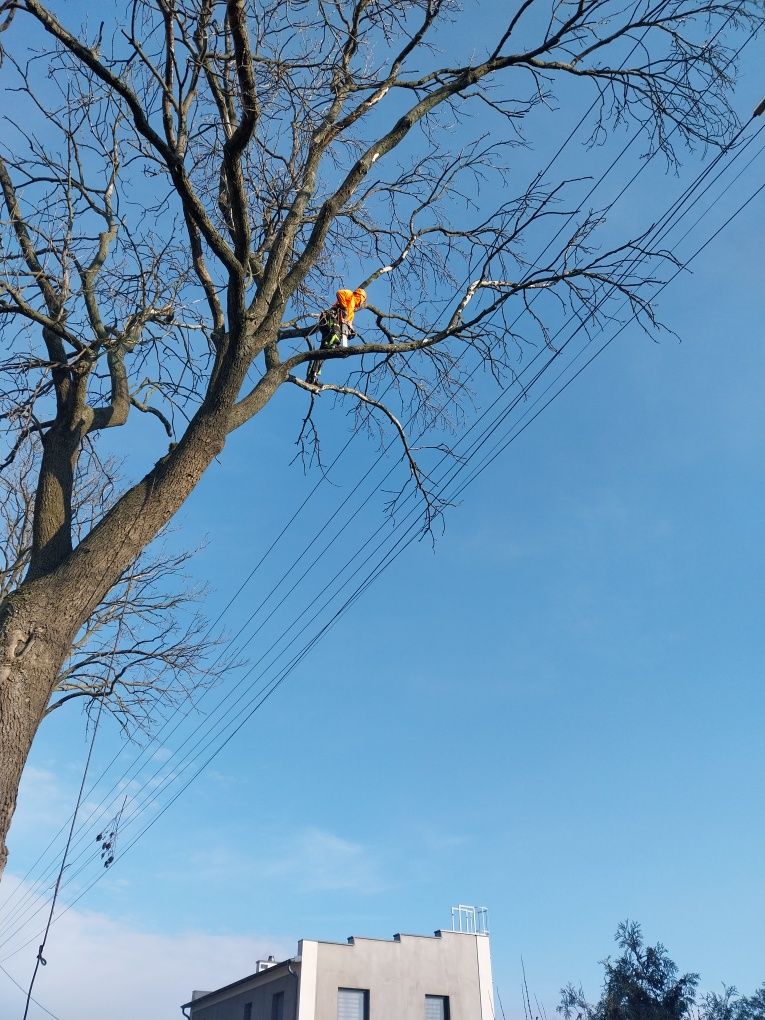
(348,301)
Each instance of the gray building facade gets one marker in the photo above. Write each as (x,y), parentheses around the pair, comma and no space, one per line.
(446,976)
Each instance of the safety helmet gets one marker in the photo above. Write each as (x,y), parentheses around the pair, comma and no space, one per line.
(360,295)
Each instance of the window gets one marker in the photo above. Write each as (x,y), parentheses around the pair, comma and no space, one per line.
(436,1007)
(277,1006)
(247,1013)
(352,1004)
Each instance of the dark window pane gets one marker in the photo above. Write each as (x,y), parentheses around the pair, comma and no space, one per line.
(277,1006)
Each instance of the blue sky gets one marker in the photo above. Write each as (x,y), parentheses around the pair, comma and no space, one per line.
(555,713)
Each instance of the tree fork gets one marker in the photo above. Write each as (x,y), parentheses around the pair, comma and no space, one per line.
(52,522)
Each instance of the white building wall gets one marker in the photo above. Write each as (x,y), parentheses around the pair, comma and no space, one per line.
(308,953)
(399,974)
(485,978)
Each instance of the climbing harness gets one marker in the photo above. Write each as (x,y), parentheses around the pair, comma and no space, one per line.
(336,326)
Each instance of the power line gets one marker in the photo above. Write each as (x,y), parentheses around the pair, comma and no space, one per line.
(40,959)
(662,237)
(23,991)
(500,447)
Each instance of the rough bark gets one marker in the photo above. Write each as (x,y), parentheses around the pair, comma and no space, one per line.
(33,643)
(52,521)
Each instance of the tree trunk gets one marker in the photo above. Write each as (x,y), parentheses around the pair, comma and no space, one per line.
(32,651)
(52,521)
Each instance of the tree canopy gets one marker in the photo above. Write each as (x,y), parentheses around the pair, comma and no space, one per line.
(184,185)
(644,983)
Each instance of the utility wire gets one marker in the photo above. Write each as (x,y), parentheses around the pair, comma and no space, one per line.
(502,445)
(504,414)
(402,545)
(40,959)
(333,516)
(23,991)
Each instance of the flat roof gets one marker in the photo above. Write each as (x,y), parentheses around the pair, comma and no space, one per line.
(438,934)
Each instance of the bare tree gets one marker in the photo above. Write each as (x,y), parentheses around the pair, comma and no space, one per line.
(145,649)
(183,187)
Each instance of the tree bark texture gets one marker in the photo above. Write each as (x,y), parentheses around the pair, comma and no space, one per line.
(33,647)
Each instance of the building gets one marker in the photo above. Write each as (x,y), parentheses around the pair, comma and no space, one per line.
(446,976)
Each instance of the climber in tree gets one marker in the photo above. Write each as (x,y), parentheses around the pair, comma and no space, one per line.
(336,326)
